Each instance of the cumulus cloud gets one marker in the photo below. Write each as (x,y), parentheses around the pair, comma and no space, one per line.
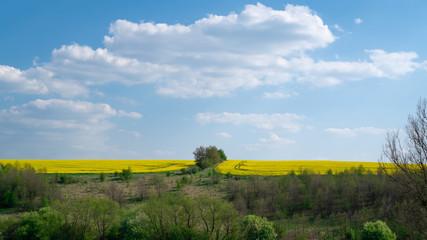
(355,131)
(14,80)
(357,20)
(382,65)
(214,56)
(281,32)
(287,121)
(53,125)
(211,57)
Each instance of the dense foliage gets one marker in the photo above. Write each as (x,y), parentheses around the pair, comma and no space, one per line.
(377,231)
(22,187)
(208,156)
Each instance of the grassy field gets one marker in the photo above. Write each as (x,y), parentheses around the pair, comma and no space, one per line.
(98,166)
(272,168)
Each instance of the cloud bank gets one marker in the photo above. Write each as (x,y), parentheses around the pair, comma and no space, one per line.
(214,56)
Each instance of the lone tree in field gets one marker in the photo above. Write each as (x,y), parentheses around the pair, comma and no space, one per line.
(208,156)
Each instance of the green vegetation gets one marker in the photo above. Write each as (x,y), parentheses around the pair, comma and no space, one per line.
(208,156)
(377,231)
(255,227)
(204,205)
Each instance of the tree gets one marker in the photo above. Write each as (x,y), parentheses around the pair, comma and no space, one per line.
(257,228)
(159,183)
(219,218)
(377,231)
(222,154)
(410,158)
(103,213)
(126,174)
(206,156)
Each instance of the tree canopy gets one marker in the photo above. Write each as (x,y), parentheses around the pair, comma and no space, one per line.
(208,156)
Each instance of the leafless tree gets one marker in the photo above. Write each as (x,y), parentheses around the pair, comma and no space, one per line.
(115,193)
(409,157)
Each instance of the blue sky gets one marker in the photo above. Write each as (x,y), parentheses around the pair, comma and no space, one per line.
(267,80)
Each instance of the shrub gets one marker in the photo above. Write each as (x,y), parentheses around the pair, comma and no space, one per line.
(126,174)
(66,179)
(377,231)
(102,176)
(255,227)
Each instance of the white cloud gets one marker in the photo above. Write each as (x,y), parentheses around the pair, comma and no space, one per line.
(279,95)
(224,135)
(275,139)
(337,27)
(272,141)
(214,56)
(393,65)
(54,126)
(355,131)
(282,32)
(357,20)
(276,95)
(14,80)
(286,121)
(129,114)
(341,131)
(382,65)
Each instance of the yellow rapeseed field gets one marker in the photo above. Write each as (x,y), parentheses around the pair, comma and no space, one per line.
(268,168)
(98,166)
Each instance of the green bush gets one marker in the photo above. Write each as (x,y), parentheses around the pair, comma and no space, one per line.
(102,176)
(66,179)
(126,174)
(255,228)
(377,231)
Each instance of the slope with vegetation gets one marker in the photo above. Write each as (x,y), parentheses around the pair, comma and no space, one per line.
(201,203)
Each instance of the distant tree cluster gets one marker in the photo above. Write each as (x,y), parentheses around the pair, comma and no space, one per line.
(208,156)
